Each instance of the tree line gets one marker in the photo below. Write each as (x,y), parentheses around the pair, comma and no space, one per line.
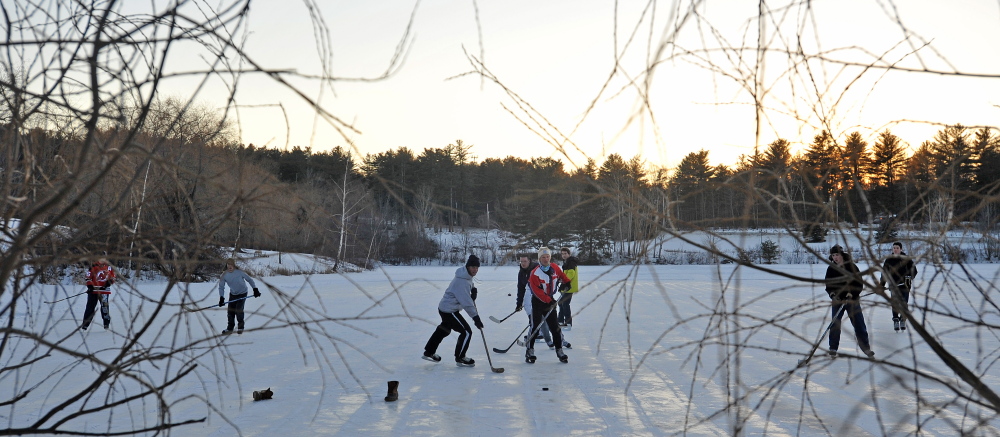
(606,206)
(380,207)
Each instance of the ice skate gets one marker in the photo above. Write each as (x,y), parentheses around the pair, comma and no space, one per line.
(432,357)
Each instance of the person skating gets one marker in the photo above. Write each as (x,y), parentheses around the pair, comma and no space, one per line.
(100,277)
(901,271)
(460,294)
(522,285)
(844,285)
(542,282)
(236,279)
(569,267)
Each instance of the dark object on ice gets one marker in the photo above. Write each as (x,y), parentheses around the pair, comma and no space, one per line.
(393,393)
(545,389)
(263,394)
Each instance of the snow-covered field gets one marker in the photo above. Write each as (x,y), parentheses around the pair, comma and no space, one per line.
(657,350)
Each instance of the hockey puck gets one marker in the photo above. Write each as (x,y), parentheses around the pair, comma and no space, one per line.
(545,389)
(508,294)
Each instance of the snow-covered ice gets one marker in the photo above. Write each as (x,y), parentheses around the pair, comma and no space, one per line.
(657,350)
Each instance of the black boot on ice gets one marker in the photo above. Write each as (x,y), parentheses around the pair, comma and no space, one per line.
(895,323)
(562,356)
(529,355)
(263,394)
(464,362)
(393,393)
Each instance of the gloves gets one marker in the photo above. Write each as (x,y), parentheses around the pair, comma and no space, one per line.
(518,309)
(564,287)
(475,291)
(849,296)
(832,294)
(90,288)
(256,292)
(222,301)
(479,323)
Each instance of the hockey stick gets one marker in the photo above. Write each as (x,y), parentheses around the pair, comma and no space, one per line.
(494,369)
(501,320)
(503,351)
(75,295)
(218,306)
(816,346)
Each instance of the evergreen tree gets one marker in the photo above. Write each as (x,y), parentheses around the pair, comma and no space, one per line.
(855,161)
(820,171)
(885,169)
(953,157)
(691,183)
(987,147)
(773,171)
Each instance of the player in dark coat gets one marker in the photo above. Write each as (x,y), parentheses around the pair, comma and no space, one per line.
(844,285)
(899,271)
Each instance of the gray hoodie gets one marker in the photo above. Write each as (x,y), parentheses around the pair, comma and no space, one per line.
(458,295)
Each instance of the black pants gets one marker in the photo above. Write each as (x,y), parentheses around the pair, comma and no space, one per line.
(565,315)
(903,295)
(235,312)
(89,311)
(450,322)
(538,311)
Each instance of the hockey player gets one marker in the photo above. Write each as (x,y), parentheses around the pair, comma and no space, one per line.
(460,294)
(523,273)
(542,282)
(900,271)
(100,277)
(844,285)
(236,279)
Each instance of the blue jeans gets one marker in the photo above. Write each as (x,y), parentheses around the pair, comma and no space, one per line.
(853,310)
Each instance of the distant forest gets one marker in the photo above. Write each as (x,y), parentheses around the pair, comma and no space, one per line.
(379,208)
(399,194)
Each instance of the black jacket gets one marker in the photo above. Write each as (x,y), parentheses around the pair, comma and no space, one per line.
(839,283)
(898,268)
(522,281)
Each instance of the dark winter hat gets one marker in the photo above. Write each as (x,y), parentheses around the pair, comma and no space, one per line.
(473,261)
(836,249)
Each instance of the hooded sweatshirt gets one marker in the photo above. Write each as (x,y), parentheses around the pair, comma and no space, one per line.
(458,295)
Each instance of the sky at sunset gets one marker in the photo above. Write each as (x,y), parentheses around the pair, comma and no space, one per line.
(559,57)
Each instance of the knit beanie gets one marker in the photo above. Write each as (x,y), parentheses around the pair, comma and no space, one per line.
(473,261)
